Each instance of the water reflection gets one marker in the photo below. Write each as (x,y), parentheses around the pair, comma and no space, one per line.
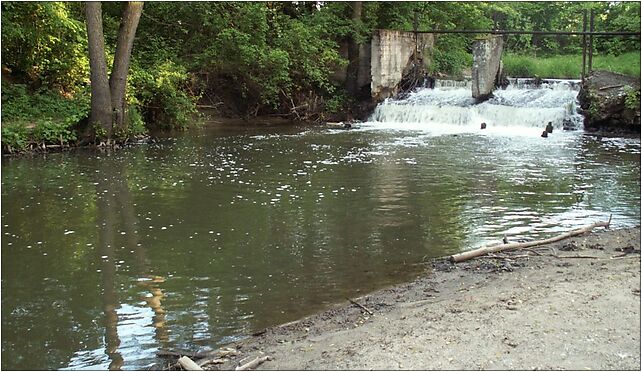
(198,240)
(116,216)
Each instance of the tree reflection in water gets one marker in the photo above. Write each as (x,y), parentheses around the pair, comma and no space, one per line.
(115,207)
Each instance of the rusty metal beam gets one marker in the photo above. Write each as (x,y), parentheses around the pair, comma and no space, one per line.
(584,47)
(515,32)
(590,44)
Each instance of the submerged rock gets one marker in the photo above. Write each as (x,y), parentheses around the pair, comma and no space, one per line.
(610,102)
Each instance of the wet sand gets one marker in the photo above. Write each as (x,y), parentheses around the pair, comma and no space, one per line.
(574,304)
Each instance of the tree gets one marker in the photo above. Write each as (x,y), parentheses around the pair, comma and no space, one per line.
(108,95)
(101,107)
(124,45)
(352,77)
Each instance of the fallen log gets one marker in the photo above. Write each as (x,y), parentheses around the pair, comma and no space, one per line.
(188,364)
(253,364)
(464,256)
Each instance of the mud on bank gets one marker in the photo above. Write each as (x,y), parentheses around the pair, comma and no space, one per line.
(574,304)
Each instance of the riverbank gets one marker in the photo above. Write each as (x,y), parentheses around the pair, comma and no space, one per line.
(574,304)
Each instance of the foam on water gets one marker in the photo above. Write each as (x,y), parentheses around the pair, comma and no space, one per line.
(520,108)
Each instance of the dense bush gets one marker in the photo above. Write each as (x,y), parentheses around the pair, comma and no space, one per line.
(42,116)
(157,94)
(44,45)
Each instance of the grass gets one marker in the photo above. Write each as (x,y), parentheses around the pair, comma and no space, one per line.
(569,66)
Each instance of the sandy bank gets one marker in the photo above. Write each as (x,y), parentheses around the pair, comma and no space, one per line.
(535,312)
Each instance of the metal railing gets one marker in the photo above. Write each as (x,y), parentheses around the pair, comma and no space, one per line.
(584,33)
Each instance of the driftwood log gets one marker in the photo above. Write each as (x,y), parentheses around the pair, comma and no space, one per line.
(188,364)
(512,246)
(253,364)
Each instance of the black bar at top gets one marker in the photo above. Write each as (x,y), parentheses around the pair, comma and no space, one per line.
(503,32)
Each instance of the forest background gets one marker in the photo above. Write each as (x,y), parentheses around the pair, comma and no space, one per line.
(248,59)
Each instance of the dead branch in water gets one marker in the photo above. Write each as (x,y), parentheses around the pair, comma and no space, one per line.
(512,246)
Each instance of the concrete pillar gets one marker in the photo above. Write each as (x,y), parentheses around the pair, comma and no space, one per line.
(487,54)
(391,56)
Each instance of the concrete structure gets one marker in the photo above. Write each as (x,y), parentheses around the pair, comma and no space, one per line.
(385,60)
(392,56)
(487,54)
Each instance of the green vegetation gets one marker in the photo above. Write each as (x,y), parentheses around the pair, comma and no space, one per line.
(632,98)
(258,58)
(42,116)
(568,66)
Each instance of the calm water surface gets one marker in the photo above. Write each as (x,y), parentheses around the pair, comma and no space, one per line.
(200,239)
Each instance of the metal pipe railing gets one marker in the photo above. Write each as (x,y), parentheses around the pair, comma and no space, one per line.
(515,32)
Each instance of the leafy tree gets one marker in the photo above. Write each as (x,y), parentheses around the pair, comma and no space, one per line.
(108,96)
(43,44)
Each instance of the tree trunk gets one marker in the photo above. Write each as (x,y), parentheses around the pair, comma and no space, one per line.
(101,108)
(118,79)
(352,74)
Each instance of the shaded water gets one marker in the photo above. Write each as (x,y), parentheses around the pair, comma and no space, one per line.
(200,239)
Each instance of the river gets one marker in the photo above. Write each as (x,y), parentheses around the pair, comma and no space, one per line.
(209,235)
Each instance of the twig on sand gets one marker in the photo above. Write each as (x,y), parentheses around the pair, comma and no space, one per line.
(576,256)
(361,306)
(253,364)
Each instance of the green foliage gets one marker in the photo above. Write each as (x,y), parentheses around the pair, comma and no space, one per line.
(451,55)
(337,103)
(40,116)
(631,98)
(135,125)
(568,66)
(44,44)
(15,135)
(156,94)
(49,131)
(627,63)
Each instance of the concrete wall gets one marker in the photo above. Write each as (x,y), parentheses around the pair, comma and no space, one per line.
(391,57)
(487,54)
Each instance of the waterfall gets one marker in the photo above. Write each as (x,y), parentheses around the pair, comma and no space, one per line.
(524,103)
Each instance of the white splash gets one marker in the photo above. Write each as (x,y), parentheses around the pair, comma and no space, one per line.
(452,110)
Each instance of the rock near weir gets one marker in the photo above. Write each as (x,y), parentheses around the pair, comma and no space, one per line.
(610,102)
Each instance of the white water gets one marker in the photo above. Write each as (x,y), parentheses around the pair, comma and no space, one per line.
(449,108)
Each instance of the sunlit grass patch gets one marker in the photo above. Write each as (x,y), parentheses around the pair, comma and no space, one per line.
(568,66)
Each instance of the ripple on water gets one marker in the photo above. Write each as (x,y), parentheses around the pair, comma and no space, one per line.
(208,238)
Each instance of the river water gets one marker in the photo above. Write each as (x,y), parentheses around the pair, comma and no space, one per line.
(207,236)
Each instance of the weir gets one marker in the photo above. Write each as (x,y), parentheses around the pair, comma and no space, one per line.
(524,103)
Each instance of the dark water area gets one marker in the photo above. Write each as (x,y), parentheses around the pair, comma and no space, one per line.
(210,235)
